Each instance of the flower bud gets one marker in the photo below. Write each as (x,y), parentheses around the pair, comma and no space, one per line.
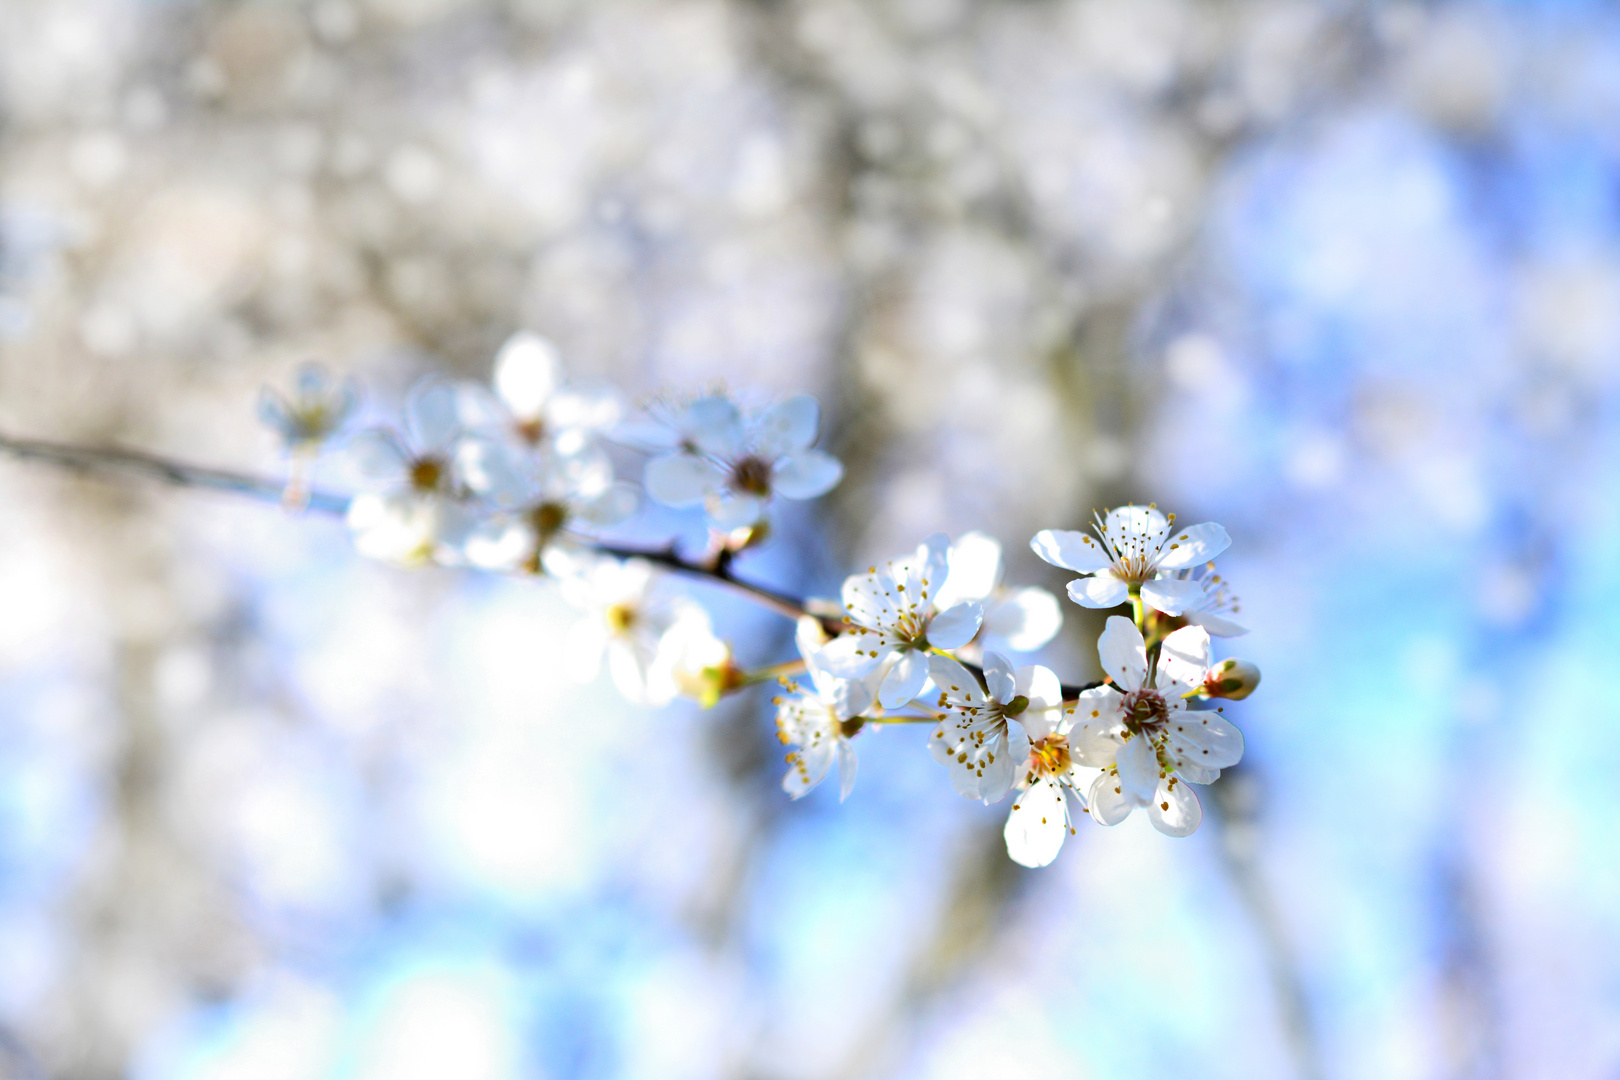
(1234,679)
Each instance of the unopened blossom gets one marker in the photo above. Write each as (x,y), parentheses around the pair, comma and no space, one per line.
(1136,551)
(694,661)
(1016,620)
(819,719)
(535,405)
(1143,736)
(1048,777)
(893,622)
(549,503)
(734,464)
(1231,679)
(981,737)
(415,509)
(628,611)
(317,410)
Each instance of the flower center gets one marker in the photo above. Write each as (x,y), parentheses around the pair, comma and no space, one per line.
(427,474)
(752,475)
(620,617)
(531,430)
(548,518)
(1050,754)
(1145,710)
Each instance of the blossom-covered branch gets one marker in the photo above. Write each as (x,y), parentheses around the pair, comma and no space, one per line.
(523,477)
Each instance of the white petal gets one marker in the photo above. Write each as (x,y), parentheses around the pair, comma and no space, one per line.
(1218,625)
(870,599)
(1138,767)
(500,472)
(1102,591)
(954,680)
(682,479)
(274,412)
(1072,550)
(1025,619)
(527,371)
(847,763)
(730,510)
(1183,660)
(955,626)
(786,427)
(1206,738)
(1193,545)
(611,507)
(379,457)
(1040,685)
(1123,653)
(1037,824)
(500,543)
(432,415)
(1174,810)
(714,426)
(848,697)
(904,680)
(806,474)
(1171,595)
(975,570)
(478,409)
(1108,801)
(1141,521)
(999,678)
(585,406)
(809,767)
(848,657)
(930,569)
(1097,744)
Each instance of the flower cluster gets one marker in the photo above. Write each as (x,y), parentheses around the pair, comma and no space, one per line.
(524,477)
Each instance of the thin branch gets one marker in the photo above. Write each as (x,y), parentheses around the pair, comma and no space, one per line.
(95,459)
(108,459)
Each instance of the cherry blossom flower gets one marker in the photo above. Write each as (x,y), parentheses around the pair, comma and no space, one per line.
(733,464)
(1016,620)
(417,512)
(820,719)
(1143,736)
(534,405)
(317,410)
(1039,820)
(551,503)
(981,738)
(1135,551)
(630,610)
(1215,611)
(894,622)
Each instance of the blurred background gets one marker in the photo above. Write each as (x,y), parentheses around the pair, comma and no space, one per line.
(1344,277)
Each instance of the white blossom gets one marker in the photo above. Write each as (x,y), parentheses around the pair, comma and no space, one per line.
(629,611)
(893,622)
(1143,736)
(550,503)
(415,511)
(820,719)
(981,738)
(1136,550)
(1039,820)
(319,407)
(734,465)
(534,405)
(1017,620)
(1216,610)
